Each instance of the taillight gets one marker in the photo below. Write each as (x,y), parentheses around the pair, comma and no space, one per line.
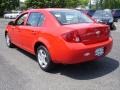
(73,37)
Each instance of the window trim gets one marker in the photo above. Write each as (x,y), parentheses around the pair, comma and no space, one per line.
(20,17)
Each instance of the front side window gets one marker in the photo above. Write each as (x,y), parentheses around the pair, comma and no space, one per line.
(70,17)
(35,19)
(21,19)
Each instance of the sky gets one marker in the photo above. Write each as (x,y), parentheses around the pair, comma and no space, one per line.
(22,0)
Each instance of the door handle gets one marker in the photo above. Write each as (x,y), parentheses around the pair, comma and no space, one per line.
(13,27)
(34,32)
(19,31)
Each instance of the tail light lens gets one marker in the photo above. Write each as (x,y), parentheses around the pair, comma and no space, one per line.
(73,37)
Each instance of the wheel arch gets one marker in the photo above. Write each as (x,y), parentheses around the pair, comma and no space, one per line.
(6,32)
(37,44)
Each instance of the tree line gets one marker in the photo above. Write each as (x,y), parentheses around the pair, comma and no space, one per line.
(6,5)
(54,3)
(100,4)
(111,4)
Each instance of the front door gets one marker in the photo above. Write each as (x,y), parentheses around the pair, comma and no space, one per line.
(18,28)
(31,30)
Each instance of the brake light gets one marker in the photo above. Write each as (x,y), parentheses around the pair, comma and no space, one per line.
(73,37)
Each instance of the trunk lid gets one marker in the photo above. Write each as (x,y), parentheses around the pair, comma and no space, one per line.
(91,33)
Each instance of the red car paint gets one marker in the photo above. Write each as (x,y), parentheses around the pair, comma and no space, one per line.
(67,44)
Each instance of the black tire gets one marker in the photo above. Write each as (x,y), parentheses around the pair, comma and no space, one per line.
(45,57)
(8,41)
(113,27)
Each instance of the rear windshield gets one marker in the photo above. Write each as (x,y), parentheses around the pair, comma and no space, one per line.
(70,17)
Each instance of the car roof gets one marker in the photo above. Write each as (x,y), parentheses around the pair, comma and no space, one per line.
(48,9)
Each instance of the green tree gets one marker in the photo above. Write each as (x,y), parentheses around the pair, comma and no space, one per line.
(84,2)
(109,4)
(52,3)
(8,5)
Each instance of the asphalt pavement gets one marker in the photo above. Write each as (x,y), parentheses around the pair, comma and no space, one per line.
(20,71)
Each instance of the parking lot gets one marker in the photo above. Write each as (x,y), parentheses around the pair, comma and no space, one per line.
(20,71)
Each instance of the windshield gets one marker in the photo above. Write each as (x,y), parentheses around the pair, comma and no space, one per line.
(71,17)
(102,14)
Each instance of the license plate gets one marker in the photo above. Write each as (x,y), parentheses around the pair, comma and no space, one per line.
(99,51)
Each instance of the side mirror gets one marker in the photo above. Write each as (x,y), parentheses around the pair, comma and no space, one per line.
(11,23)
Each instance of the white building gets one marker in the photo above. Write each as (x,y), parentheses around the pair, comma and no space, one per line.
(93,2)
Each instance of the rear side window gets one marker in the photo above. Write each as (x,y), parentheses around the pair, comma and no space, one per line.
(35,19)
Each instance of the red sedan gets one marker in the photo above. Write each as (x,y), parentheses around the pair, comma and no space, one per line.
(63,36)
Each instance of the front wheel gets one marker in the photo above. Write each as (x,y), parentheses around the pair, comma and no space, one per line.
(8,42)
(44,59)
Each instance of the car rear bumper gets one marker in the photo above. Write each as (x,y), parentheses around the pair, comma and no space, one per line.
(110,24)
(77,53)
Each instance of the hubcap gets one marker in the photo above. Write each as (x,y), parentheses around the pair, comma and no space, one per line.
(42,58)
(8,40)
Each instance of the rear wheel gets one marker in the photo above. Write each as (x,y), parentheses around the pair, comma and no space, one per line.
(44,59)
(8,42)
